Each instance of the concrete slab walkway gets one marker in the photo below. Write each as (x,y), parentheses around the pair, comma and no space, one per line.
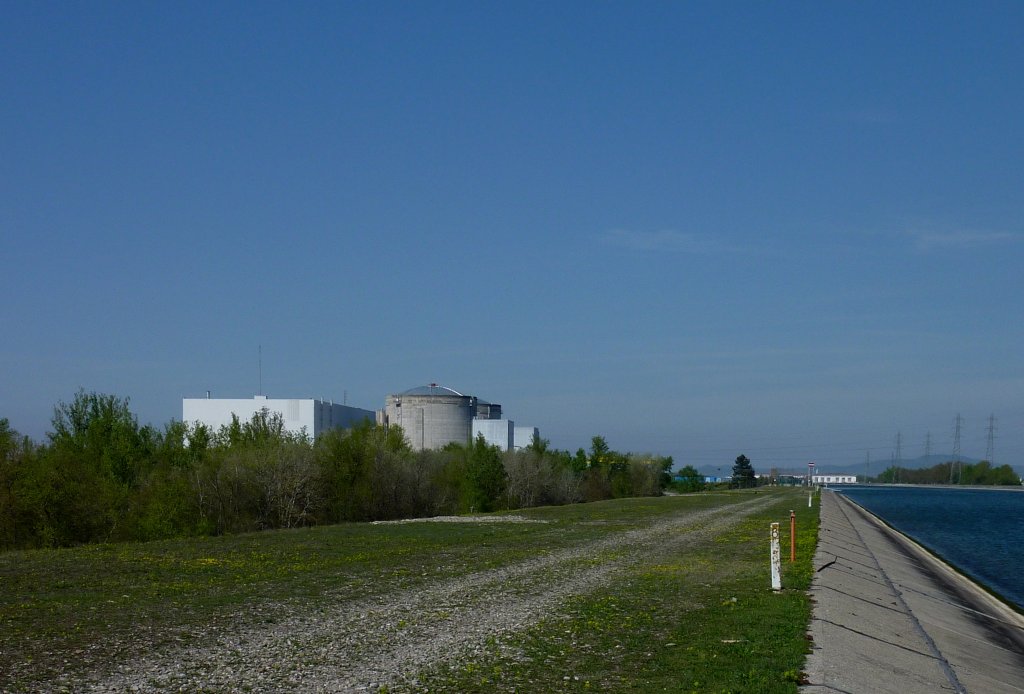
(890,617)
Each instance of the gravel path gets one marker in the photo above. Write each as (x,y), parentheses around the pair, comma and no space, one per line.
(385,640)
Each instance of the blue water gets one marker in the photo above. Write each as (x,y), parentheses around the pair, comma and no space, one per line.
(980,531)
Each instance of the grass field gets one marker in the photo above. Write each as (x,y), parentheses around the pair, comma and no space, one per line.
(681,604)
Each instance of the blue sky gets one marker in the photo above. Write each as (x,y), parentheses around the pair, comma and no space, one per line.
(699,229)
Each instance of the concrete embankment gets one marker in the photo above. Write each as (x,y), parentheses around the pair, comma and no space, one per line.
(890,617)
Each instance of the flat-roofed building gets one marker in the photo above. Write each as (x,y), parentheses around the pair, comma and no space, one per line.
(523,436)
(834,479)
(309,415)
(496,432)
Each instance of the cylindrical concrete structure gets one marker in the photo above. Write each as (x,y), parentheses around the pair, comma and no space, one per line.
(432,416)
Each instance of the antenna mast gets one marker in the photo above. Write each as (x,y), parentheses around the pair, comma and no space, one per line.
(261,369)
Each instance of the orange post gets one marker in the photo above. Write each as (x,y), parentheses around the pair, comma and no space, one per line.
(792,536)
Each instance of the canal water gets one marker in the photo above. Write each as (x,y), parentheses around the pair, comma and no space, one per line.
(980,531)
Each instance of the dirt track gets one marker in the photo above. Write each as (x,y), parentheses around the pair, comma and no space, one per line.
(386,640)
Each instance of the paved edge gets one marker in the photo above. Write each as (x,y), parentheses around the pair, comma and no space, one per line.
(889,616)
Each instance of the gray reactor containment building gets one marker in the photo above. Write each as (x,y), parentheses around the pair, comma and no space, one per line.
(432,416)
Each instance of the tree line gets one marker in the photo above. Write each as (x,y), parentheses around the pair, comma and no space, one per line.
(688,479)
(100,477)
(950,472)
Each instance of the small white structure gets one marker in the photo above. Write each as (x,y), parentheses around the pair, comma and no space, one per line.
(496,432)
(834,479)
(309,415)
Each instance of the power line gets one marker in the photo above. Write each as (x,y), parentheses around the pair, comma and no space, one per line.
(777,451)
(955,465)
(899,453)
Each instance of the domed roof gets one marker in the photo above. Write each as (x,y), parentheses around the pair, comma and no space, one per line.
(433,389)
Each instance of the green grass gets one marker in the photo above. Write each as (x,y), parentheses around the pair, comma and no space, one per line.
(703,621)
(77,610)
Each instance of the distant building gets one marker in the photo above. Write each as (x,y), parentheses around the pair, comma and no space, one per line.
(309,415)
(834,479)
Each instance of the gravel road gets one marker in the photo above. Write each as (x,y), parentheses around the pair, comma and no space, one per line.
(363,645)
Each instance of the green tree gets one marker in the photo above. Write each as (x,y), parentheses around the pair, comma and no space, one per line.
(163,503)
(1004,475)
(599,451)
(9,439)
(81,484)
(265,428)
(538,445)
(529,476)
(665,473)
(743,475)
(979,473)
(391,471)
(982,472)
(595,485)
(642,473)
(347,458)
(101,432)
(259,475)
(486,475)
(579,461)
(15,451)
(619,471)
(689,480)
(163,506)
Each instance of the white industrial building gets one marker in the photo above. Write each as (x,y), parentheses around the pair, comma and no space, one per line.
(523,436)
(504,433)
(433,416)
(299,415)
(834,479)
(496,432)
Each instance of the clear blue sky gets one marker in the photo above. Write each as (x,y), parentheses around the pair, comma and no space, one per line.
(699,229)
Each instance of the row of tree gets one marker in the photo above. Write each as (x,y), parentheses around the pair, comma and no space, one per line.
(743,477)
(951,472)
(102,477)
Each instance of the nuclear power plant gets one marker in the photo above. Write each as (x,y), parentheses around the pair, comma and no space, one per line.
(431,416)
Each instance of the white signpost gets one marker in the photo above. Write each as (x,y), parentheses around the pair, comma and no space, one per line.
(776,559)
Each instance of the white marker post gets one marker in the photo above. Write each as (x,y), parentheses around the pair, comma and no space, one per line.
(776,559)
(809,497)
